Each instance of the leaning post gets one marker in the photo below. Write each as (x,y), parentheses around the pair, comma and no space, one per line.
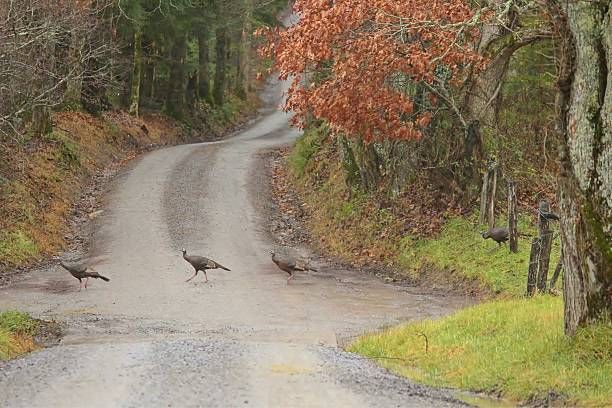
(491,209)
(512,216)
(484,198)
(545,235)
(532,275)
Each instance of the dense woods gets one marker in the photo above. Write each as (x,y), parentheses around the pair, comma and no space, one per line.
(439,91)
(177,56)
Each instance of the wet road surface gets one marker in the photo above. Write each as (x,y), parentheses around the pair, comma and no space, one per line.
(245,338)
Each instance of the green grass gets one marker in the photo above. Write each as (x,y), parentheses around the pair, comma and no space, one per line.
(460,248)
(515,348)
(305,148)
(229,111)
(16,330)
(68,150)
(16,247)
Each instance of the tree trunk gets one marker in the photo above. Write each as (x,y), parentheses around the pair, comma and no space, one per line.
(492,196)
(203,62)
(41,120)
(512,216)
(219,88)
(148,77)
(244,48)
(240,62)
(545,246)
(367,160)
(41,113)
(97,70)
(480,105)
(484,197)
(555,277)
(532,274)
(136,74)
(585,108)
(175,99)
(247,45)
(349,164)
(73,85)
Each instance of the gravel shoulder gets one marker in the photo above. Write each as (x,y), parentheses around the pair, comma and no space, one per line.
(246,338)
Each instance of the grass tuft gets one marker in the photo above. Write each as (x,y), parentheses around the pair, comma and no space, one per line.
(513,348)
(16,331)
(305,149)
(16,247)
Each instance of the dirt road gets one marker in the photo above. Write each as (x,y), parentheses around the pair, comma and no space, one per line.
(147,338)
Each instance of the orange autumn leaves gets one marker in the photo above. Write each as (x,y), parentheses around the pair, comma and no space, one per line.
(355,62)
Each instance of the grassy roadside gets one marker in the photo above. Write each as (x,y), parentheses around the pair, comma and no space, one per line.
(509,346)
(512,348)
(354,227)
(41,178)
(16,334)
(459,252)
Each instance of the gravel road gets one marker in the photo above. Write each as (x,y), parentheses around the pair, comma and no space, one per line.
(147,338)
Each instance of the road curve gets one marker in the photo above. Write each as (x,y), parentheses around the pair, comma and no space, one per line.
(148,338)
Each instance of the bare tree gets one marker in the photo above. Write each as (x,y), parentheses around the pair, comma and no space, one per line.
(45,49)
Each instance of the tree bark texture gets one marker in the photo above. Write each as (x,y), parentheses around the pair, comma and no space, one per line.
(175,100)
(136,74)
(492,194)
(220,74)
(546,236)
(148,77)
(532,275)
(349,164)
(585,109)
(555,277)
(203,62)
(484,197)
(512,216)
(367,160)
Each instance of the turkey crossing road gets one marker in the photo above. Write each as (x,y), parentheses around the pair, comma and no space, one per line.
(245,339)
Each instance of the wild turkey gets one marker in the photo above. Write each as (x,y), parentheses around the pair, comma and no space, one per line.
(290,266)
(498,235)
(79,271)
(201,263)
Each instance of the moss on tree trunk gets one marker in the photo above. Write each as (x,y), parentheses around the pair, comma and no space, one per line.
(586,185)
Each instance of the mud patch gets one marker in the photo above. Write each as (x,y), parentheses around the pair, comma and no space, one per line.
(57,286)
(48,333)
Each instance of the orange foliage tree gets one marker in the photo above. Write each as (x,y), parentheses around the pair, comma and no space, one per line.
(354,62)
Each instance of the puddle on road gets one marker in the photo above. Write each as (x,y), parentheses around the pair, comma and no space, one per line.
(482,401)
(55,286)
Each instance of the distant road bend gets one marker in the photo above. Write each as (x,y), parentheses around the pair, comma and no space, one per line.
(246,338)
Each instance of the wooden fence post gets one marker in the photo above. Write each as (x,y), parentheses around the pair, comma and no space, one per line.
(545,245)
(491,212)
(558,269)
(484,198)
(555,276)
(512,216)
(534,257)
